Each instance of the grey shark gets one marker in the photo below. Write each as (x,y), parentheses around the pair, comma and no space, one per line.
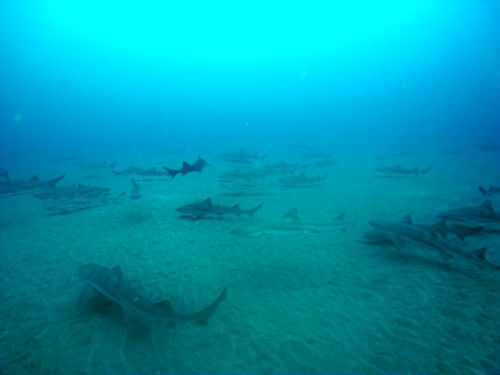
(491,191)
(325,163)
(76,205)
(197,166)
(110,284)
(482,213)
(284,168)
(398,234)
(302,180)
(317,155)
(95,164)
(240,157)
(10,186)
(71,192)
(291,224)
(399,170)
(206,208)
(247,175)
(140,172)
(460,230)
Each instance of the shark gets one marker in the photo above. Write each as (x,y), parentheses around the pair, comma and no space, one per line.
(459,230)
(284,168)
(325,163)
(71,192)
(245,175)
(240,157)
(95,165)
(302,180)
(398,234)
(197,166)
(491,191)
(482,213)
(70,206)
(206,208)
(290,224)
(317,155)
(140,172)
(135,193)
(10,186)
(398,169)
(110,284)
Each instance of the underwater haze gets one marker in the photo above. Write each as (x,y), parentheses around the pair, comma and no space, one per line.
(250,187)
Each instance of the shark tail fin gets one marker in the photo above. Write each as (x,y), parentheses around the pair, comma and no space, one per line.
(171,172)
(206,313)
(341,216)
(254,210)
(55,180)
(482,190)
(5,174)
(134,182)
(35,178)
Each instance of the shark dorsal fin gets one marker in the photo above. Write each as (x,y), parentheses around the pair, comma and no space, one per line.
(208,201)
(407,219)
(235,207)
(292,214)
(185,164)
(35,178)
(116,270)
(480,253)
(487,205)
(341,216)
(165,305)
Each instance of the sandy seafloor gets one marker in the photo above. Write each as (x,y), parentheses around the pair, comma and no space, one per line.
(302,303)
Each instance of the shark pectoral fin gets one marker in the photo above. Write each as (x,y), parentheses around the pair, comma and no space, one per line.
(398,243)
(444,255)
(480,253)
(86,294)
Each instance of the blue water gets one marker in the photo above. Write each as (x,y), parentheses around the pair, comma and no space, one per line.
(88,90)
